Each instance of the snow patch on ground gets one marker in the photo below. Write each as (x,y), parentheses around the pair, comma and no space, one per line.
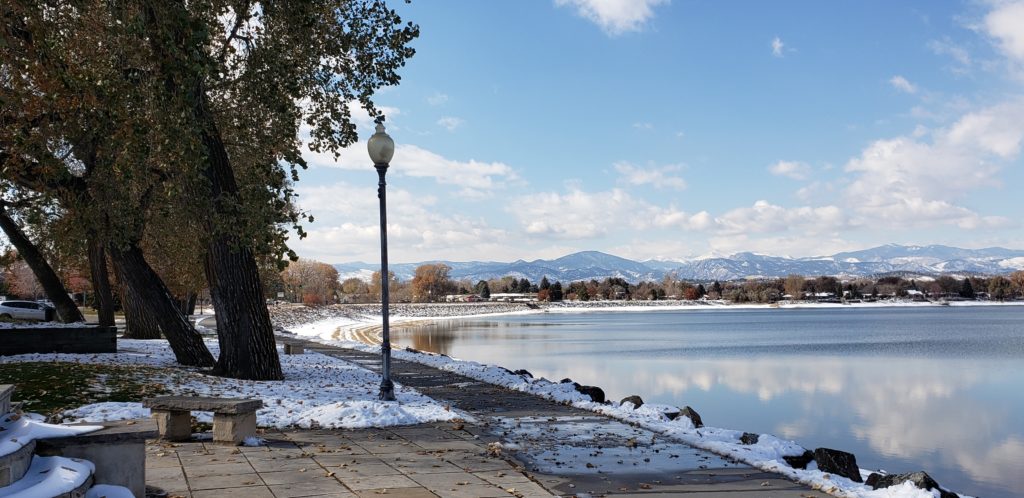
(318,391)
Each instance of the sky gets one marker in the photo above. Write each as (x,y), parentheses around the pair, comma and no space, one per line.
(670,129)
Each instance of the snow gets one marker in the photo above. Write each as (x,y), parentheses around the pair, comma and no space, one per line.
(17,431)
(50,476)
(318,391)
(108,491)
(766,454)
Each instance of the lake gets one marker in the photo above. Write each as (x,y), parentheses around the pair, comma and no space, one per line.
(939,389)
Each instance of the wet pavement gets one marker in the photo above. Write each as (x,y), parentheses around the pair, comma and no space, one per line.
(573,452)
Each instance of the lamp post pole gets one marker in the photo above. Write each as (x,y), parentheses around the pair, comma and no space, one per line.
(382,148)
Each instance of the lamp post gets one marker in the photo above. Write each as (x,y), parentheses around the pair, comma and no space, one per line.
(382,148)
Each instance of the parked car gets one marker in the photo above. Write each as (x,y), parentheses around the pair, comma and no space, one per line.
(25,310)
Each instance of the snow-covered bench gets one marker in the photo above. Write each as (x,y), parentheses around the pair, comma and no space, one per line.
(234,419)
(118,450)
(47,460)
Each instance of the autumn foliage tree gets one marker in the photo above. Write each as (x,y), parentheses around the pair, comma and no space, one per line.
(318,281)
(431,282)
(139,116)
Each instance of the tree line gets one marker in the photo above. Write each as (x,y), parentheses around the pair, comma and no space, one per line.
(433,283)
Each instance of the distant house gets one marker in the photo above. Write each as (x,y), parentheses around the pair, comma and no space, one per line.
(514,297)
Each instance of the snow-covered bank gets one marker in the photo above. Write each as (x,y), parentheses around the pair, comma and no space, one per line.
(318,390)
(767,453)
(362,323)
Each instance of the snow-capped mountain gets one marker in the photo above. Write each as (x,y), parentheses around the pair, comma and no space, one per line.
(921,260)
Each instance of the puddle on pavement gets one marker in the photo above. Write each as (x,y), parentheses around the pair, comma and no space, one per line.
(596,445)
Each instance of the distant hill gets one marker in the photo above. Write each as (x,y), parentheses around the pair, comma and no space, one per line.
(930,260)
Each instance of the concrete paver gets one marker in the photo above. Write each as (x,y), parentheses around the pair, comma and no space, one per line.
(453,460)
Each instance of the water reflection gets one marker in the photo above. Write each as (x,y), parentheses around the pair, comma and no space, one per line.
(958,414)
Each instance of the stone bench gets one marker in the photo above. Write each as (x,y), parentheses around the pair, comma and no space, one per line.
(291,348)
(118,451)
(234,419)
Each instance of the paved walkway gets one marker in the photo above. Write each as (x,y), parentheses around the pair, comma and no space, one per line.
(558,450)
(404,462)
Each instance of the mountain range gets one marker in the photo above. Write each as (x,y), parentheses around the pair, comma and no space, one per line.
(932,260)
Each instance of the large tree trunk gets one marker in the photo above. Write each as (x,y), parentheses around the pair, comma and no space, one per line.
(139,323)
(55,290)
(145,285)
(247,348)
(101,282)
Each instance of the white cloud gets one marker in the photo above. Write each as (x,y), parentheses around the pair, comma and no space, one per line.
(660,177)
(615,17)
(347,227)
(908,181)
(411,160)
(576,214)
(362,119)
(792,169)
(643,126)
(777,46)
(954,51)
(450,123)
(765,217)
(673,218)
(1006,25)
(900,83)
(437,99)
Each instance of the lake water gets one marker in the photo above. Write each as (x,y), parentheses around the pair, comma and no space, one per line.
(939,389)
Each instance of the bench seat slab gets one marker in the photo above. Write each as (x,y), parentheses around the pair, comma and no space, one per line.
(203,404)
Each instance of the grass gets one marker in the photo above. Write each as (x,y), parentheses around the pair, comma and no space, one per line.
(49,388)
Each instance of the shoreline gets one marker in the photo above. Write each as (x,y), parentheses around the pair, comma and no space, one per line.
(362,323)
(766,453)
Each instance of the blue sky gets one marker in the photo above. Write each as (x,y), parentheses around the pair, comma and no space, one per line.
(672,129)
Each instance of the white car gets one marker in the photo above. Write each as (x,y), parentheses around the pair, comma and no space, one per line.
(25,310)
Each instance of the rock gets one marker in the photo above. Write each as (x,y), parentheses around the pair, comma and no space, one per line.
(595,393)
(838,462)
(749,438)
(920,479)
(799,461)
(636,400)
(566,381)
(692,414)
(671,415)
(524,373)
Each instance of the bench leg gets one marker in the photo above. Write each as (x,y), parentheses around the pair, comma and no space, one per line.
(233,428)
(174,425)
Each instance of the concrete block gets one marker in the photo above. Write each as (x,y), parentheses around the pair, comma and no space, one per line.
(233,428)
(294,349)
(119,464)
(173,425)
(6,390)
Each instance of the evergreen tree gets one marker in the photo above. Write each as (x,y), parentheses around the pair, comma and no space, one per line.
(556,292)
(483,290)
(966,289)
(544,284)
(701,291)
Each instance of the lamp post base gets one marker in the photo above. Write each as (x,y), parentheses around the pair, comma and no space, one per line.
(387,390)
